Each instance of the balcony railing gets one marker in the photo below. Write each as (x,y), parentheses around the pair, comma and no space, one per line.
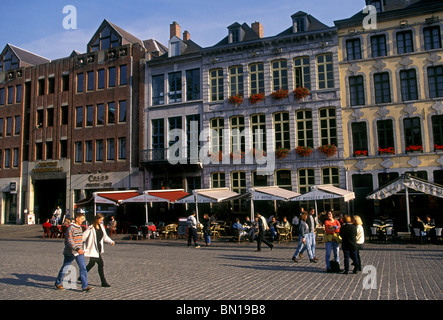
(154,155)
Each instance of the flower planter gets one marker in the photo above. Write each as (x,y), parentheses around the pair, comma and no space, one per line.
(280,94)
(328,149)
(389,151)
(256,98)
(304,151)
(414,149)
(281,153)
(301,93)
(360,153)
(236,99)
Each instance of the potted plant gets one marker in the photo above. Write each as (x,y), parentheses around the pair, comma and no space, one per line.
(281,153)
(255,98)
(216,156)
(414,148)
(438,147)
(237,155)
(328,149)
(236,98)
(280,94)
(359,153)
(388,150)
(301,92)
(304,151)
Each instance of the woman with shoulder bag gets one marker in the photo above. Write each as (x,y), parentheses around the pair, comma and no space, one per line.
(95,237)
(332,238)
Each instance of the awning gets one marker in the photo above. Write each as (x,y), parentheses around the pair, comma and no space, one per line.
(212,195)
(407,181)
(168,195)
(85,202)
(113,197)
(272,193)
(325,191)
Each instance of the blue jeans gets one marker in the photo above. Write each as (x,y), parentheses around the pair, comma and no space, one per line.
(311,237)
(207,237)
(304,246)
(331,245)
(80,259)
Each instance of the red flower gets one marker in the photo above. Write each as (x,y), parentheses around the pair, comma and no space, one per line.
(412,148)
(301,92)
(304,151)
(389,150)
(254,98)
(328,149)
(236,99)
(360,153)
(280,94)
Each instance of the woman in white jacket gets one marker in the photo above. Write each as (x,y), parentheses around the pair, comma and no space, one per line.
(94,238)
(360,239)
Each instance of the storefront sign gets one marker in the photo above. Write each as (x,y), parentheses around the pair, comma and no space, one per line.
(44,167)
(98,181)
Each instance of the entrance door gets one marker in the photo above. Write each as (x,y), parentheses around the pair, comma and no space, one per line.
(48,194)
(362,186)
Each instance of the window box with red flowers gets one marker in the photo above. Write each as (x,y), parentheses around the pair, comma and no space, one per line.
(255,98)
(386,151)
(281,153)
(414,148)
(280,94)
(360,153)
(216,156)
(301,92)
(328,149)
(258,153)
(237,155)
(304,151)
(236,98)
(438,147)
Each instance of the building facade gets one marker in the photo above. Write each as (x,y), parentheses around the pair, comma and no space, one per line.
(392,88)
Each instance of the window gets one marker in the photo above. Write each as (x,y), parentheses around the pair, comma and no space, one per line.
(78,117)
(353,49)
(110,151)
(432,37)
(359,136)
(412,131)
(328,126)
(237,134)
(100,116)
(279,75)
(111,112)
(49,148)
(404,42)
(8,126)
(105,40)
(174,123)
(356,90)
(218,180)
(122,111)
(158,134)
(175,87)
(306,179)
(437,129)
(236,80)
(41,87)
(192,84)
(10,95)
(239,186)
(256,78)
(1,158)
(259,180)
(305,135)
(38,151)
(302,72)
(101,79)
(7,158)
(281,128)
(2,127)
(217,127)
(378,45)
(78,152)
(9,62)
(88,151)
(192,134)
(64,110)
(65,83)
(382,88)
(50,117)
(378,5)
(385,133)
(18,94)
(121,148)
(99,150)
(39,118)
(123,75)
(90,80)
(51,85)
(216,84)
(80,82)
(63,149)
(111,77)
(325,71)
(408,82)
(258,126)
(330,176)
(89,116)
(158,90)
(435,80)
(2,96)
(283,179)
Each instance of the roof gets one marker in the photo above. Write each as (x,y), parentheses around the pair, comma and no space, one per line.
(125,36)
(249,35)
(155,47)
(314,24)
(25,57)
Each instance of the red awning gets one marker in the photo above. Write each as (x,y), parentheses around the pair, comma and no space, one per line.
(117,196)
(170,195)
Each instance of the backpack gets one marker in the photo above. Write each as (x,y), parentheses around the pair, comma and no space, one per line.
(335,266)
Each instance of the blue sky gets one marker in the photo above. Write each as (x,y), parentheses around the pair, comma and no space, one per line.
(37,26)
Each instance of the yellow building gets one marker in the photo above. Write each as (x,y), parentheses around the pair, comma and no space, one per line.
(391,79)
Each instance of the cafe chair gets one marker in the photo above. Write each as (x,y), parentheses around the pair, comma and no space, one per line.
(389,233)
(55,232)
(172,230)
(215,231)
(145,232)
(320,235)
(133,232)
(63,231)
(417,235)
(237,235)
(438,233)
(373,234)
(164,232)
(283,234)
(46,232)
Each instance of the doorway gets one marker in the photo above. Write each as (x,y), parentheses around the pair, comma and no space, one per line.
(48,194)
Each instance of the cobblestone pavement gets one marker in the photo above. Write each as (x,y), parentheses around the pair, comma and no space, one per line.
(168,270)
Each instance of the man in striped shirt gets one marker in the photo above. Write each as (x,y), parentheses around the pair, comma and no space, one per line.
(74,250)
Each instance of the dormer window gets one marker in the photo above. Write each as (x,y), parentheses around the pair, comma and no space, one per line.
(174,49)
(300,22)
(236,33)
(8,62)
(378,4)
(299,25)
(105,40)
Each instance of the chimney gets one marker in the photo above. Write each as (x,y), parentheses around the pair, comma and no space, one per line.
(258,28)
(186,35)
(174,30)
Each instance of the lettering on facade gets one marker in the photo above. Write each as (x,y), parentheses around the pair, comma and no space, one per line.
(44,167)
(98,181)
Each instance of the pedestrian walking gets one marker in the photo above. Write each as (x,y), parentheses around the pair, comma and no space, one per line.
(332,232)
(304,240)
(348,233)
(94,238)
(262,228)
(191,222)
(360,240)
(74,251)
(207,229)
(310,221)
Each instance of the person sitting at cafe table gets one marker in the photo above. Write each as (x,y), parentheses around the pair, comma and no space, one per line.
(284,223)
(238,228)
(430,227)
(418,224)
(273,228)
